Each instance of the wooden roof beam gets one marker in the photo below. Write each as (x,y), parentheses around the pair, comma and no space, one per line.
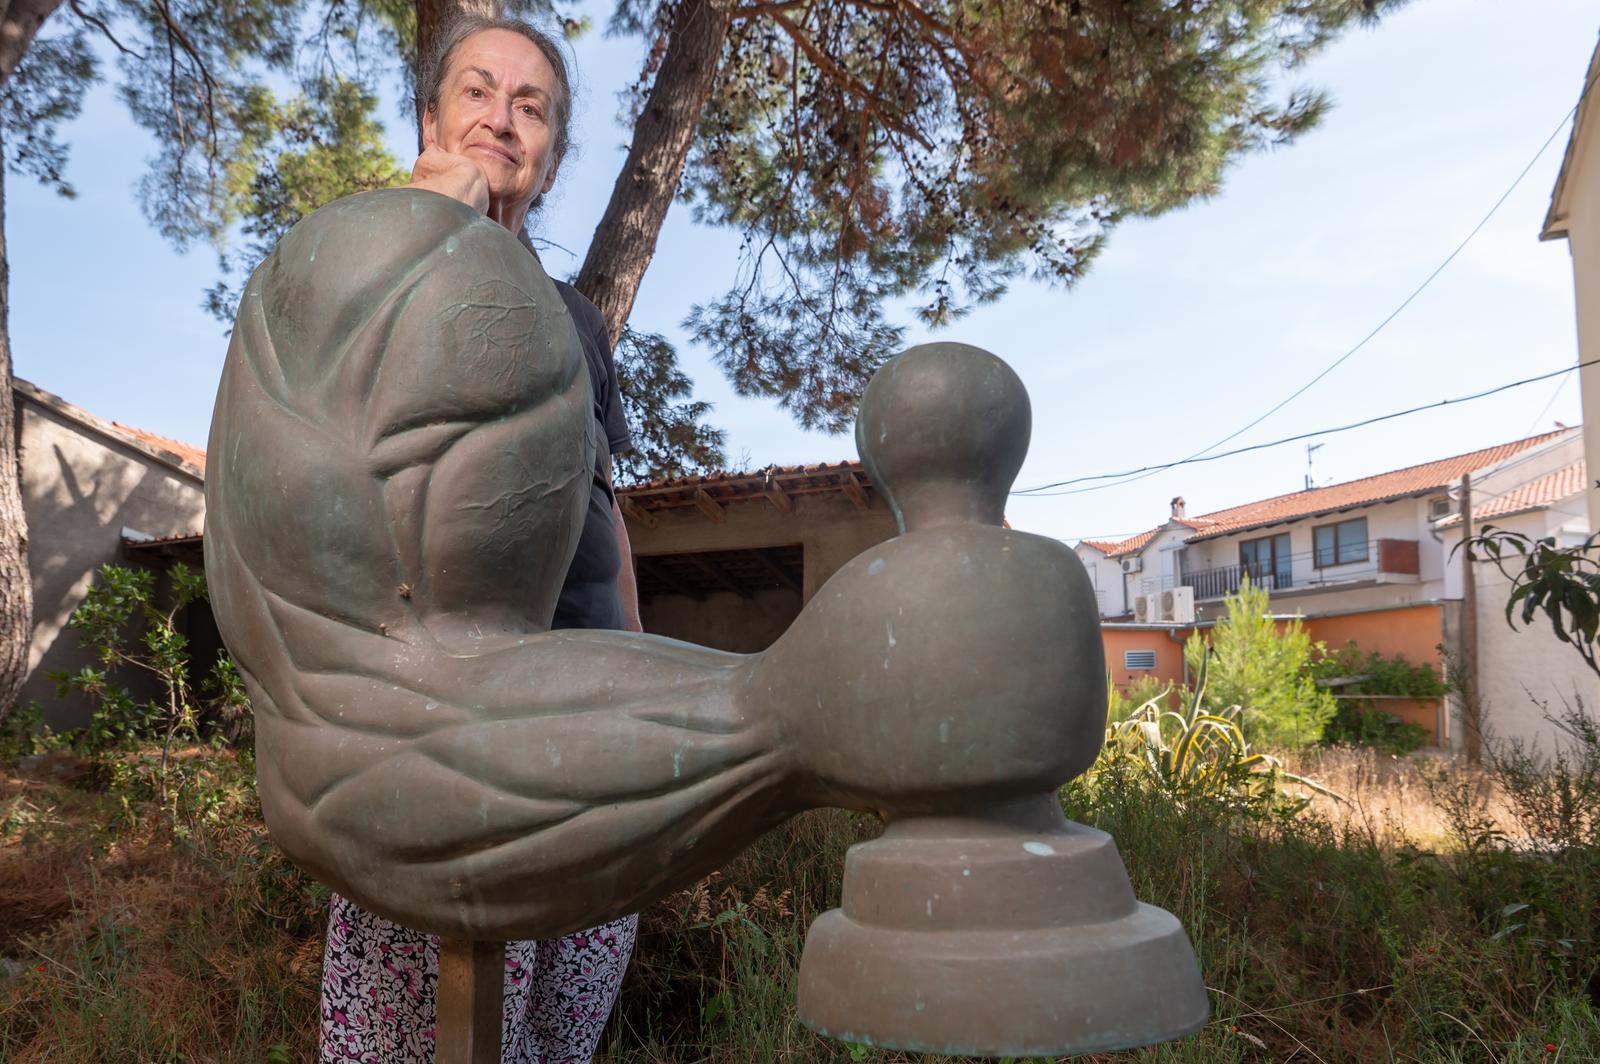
(851,486)
(781,502)
(708,506)
(635,511)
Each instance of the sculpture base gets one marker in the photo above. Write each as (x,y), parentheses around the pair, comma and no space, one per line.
(985,938)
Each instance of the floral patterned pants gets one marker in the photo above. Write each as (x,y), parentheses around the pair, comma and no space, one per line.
(379,982)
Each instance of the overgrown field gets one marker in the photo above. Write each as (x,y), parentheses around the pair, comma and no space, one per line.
(1434,914)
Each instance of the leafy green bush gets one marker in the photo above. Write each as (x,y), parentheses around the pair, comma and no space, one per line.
(23,732)
(1199,756)
(1251,663)
(121,623)
(1368,724)
(1120,705)
(1362,680)
(1563,583)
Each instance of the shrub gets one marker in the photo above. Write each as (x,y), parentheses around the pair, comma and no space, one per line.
(1121,705)
(1362,721)
(127,631)
(1251,663)
(1198,755)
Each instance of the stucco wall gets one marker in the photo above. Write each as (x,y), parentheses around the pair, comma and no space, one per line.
(1581,189)
(1104,578)
(829,527)
(1168,648)
(79,490)
(1412,632)
(723,620)
(1518,669)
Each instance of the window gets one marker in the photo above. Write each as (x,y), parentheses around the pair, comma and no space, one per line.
(1440,507)
(1341,544)
(1266,561)
(1138,659)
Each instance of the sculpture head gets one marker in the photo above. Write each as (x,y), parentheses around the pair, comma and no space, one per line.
(497,90)
(943,430)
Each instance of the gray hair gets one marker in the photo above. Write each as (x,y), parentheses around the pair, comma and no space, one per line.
(432,67)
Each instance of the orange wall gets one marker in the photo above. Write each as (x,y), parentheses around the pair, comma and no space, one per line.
(1414,632)
(1169,655)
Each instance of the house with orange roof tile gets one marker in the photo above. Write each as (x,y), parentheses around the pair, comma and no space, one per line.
(91,487)
(1372,560)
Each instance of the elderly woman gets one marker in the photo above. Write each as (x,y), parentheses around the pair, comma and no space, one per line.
(495,102)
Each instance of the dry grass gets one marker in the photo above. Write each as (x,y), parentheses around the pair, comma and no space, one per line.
(1332,938)
(1397,801)
(139,943)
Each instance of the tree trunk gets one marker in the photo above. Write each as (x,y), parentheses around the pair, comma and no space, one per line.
(625,240)
(19,22)
(432,15)
(16,587)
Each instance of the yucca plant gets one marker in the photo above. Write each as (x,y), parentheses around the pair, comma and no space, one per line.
(1200,754)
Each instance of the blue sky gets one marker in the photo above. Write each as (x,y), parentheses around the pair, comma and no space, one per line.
(1188,327)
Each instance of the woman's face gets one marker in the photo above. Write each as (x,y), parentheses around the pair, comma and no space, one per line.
(497,105)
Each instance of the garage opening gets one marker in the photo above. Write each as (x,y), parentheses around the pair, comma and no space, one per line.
(738,600)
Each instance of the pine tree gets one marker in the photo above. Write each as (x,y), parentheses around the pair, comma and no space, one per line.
(876,151)
(1264,665)
(869,151)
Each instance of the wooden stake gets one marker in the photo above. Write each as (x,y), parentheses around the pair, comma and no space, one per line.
(472,979)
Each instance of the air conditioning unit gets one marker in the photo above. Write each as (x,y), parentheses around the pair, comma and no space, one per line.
(1177,605)
(1144,608)
(1133,564)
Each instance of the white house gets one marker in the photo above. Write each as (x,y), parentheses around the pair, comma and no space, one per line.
(1375,560)
(1575,217)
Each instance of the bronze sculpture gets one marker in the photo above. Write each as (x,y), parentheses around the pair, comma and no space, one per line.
(400,439)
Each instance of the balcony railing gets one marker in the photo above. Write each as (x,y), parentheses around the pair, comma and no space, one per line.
(1225,579)
(1383,557)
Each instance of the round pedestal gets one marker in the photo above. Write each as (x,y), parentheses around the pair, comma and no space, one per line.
(996,941)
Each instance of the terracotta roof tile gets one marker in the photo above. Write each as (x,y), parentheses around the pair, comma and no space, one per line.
(184,452)
(764,473)
(1135,544)
(1534,495)
(1400,483)
(775,484)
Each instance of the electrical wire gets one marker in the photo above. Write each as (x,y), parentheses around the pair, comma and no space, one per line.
(1046,490)
(1336,363)
(1546,408)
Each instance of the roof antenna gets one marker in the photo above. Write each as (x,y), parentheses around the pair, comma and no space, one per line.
(1311,466)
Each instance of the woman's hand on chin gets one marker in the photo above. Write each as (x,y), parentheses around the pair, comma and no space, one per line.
(451,175)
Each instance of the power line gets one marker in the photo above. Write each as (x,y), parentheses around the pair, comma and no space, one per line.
(1336,363)
(1546,409)
(1048,489)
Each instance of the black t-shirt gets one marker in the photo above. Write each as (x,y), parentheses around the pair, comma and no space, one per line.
(589,596)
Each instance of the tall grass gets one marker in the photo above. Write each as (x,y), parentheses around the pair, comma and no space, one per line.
(131,936)
(1353,932)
